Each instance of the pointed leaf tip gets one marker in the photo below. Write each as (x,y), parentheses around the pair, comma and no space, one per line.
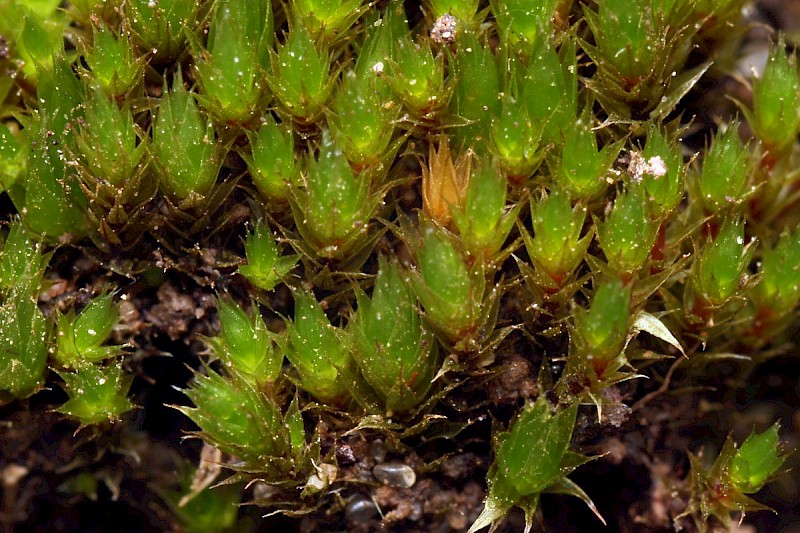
(570,488)
(652,325)
(493,512)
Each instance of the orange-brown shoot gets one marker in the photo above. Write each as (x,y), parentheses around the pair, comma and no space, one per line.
(444,183)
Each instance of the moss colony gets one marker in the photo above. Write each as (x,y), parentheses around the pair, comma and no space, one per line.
(364,266)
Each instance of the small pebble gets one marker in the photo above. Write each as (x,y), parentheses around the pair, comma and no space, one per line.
(416,512)
(395,475)
(345,455)
(378,450)
(457,519)
(444,29)
(359,509)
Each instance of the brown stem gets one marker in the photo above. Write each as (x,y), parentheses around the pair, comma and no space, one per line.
(647,398)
